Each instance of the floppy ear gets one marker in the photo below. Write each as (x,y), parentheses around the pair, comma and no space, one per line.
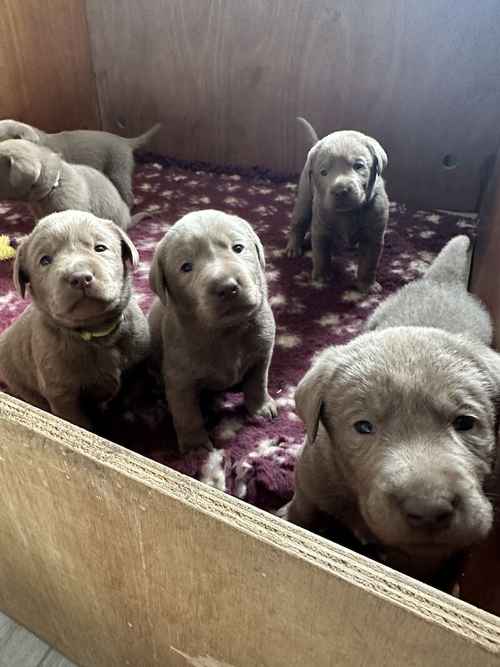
(24,171)
(157,279)
(130,253)
(378,153)
(20,274)
(259,248)
(310,393)
(303,202)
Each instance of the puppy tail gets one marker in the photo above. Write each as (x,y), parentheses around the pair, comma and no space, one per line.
(141,140)
(137,217)
(452,264)
(310,131)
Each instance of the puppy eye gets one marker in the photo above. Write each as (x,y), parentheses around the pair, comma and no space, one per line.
(100,248)
(186,267)
(238,247)
(324,172)
(16,136)
(364,427)
(358,165)
(464,423)
(45,260)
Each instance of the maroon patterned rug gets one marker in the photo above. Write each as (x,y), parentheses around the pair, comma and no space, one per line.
(255,458)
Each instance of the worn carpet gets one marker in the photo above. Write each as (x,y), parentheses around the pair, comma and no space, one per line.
(255,458)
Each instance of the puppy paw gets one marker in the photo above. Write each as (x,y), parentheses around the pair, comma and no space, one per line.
(187,445)
(268,409)
(294,249)
(372,288)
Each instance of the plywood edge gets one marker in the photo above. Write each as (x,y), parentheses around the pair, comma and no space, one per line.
(455,615)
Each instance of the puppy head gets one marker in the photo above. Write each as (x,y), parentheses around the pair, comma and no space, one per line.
(13,129)
(76,266)
(20,168)
(408,415)
(343,168)
(210,265)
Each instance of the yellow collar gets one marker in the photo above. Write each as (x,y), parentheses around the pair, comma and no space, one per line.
(101,333)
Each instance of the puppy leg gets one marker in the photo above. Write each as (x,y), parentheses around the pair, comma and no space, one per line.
(257,399)
(321,255)
(301,511)
(184,405)
(119,171)
(301,217)
(67,406)
(371,243)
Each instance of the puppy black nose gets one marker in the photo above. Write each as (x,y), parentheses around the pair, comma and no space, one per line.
(341,192)
(422,512)
(227,288)
(80,279)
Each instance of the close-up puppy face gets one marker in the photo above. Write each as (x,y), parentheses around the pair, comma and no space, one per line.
(343,169)
(412,426)
(13,129)
(210,264)
(20,168)
(76,266)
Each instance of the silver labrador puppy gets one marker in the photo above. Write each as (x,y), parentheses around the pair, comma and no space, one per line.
(212,324)
(109,153)
(41,178)
(84,327)
(342,201)
(401,424)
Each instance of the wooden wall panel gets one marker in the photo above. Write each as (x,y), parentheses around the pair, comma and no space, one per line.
(45,67)
(117,560)
(228,77)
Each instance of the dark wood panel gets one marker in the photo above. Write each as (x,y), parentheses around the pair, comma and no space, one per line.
(45,68)
(228,78)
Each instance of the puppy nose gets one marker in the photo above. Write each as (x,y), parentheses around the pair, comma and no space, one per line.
(227,288)
(422,512)
(341,191)
(80,279)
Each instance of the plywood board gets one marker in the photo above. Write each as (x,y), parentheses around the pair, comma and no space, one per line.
(45,67)
(228,77)
(117,560)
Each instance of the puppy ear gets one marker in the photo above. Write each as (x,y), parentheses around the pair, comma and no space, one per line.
(303,202)
(28,133)
(310,394)
(378,153)
(157,279)
(130,253)
(20,273)
(23,171)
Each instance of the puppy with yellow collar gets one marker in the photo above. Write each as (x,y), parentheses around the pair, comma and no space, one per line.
(84,327)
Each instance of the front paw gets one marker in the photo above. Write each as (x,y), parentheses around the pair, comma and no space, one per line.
(267,409)
(294,248)
(194,441)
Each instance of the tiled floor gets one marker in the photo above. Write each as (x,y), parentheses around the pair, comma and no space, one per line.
(20,648)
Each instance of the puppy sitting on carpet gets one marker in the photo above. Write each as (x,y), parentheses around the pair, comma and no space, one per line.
(342,201)
(40,177)
(106,152)
(401,424)
(212,324)
(84,327)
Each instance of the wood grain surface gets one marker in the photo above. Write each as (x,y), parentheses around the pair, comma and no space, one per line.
(45,68)
(116,560)
(228,77)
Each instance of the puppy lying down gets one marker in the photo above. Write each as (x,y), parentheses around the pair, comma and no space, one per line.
(401,424)
(40,177)
(342,201)
(106,152)
(212,325)
(84,327)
